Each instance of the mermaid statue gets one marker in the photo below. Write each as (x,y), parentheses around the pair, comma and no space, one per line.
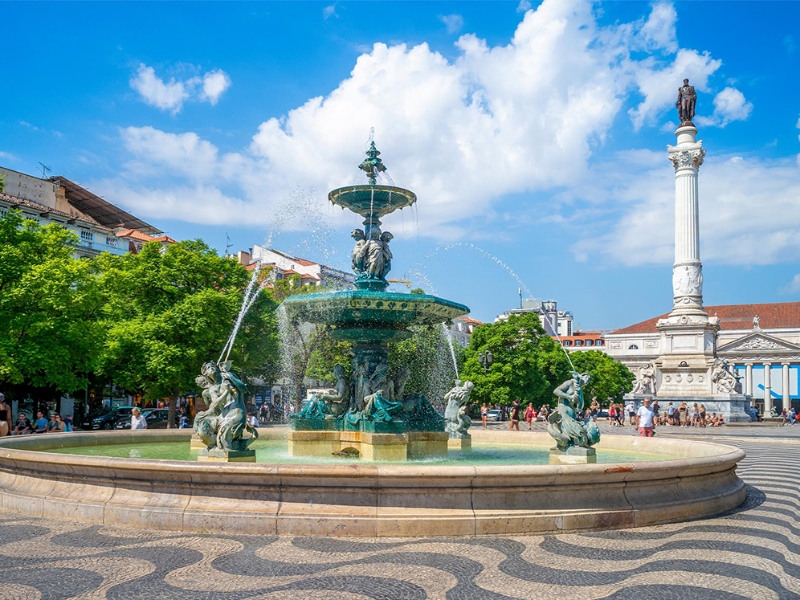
(566,424)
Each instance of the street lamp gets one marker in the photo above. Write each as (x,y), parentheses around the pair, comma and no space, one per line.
(486,359)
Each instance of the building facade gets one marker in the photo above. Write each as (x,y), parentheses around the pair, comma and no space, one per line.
(760,341)
(555,322)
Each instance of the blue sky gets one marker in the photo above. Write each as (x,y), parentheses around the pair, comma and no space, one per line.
(535,132)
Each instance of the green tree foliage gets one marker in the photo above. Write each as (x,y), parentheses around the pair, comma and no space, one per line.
(169,310)
(50,303)
(611,380)
(527,366)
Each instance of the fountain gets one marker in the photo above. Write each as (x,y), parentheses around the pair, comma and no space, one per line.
(370,415)
(368,460)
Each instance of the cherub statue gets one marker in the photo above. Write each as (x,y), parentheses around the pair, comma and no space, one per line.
(222,426)
(357,255)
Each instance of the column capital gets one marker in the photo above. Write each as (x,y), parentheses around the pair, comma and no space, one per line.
(686,156)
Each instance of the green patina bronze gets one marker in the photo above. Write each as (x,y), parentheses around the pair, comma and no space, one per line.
(371,399)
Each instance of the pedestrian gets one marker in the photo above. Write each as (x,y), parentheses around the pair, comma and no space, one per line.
(670,414)
(702,415)
(631,410)
(484,414)
(682,412)
(252,420)
(137,420)
(792,416)
(644,419)
(5,417)
(183,422)
(514,424)
(40,425)
(55,425)
(23,426)
(530,415)
(67,423)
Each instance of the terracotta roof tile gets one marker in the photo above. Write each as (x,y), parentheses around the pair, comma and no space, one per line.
(44,208)
(735,316)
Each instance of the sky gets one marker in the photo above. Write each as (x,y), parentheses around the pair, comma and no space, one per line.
(534,135)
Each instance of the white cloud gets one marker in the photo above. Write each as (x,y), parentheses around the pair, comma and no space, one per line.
(329,11)
(524,5)
(171,95)
(729,105)
(166,96)
(453,23)
(525,117)
(214,85)
(793,286)
(748,212)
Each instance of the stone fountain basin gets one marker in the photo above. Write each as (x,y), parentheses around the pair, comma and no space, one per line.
(368,499)
(365,314)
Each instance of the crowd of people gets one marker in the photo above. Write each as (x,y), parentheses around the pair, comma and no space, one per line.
(24,426)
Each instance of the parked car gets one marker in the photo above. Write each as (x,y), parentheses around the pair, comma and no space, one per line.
(493,415)
(107,419)
(156,418)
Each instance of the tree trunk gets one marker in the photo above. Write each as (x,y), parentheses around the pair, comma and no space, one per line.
(173,402)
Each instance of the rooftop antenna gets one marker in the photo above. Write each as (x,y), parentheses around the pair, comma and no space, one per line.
(227,244)
(44,169)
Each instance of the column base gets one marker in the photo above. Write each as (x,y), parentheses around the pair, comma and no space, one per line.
(575,455)
(217,455)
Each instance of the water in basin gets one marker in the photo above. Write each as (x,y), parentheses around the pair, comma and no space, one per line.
(275,452)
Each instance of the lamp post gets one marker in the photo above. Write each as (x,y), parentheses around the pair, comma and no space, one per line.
(486,359)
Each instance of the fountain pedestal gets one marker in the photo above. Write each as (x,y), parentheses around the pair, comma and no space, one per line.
(370,446)
(462,443)
(217,455)
(574,455)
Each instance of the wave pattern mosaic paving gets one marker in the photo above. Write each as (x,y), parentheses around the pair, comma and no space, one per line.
(748,553)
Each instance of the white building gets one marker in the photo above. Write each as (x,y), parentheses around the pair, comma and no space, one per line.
(311,273)
(554,321)
(462,328)
(58,200)
(762,342)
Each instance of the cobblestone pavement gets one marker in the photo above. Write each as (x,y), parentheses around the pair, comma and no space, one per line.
(753,552)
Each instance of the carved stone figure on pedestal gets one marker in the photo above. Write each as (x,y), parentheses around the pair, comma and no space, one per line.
(566,427)
(357,255)
(756,322)
(456,421)
(722,376)
(687,99)
(645,381)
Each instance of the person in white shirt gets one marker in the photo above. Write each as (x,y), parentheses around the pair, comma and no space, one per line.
(252,420)
(644,419)
(631,409)
(137,420)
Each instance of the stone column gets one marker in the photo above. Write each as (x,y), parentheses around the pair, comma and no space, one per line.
(787,402)
(687,272)
(767,389)
(748,379)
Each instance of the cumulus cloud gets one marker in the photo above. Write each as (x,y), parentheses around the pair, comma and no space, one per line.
(329,11)
(524,5)
(729,105)
(794,286)
(748,210)
(453,23)
(171,95)
(524,117)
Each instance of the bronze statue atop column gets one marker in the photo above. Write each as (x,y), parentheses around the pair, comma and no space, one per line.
(687,98)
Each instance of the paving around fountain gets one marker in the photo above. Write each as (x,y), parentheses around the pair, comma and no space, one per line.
(750,552)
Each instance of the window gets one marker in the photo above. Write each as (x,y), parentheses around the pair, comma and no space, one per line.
(567,342)
(86,235)
(599,342)
(111,240)
(579,342)
(589,343)
(633,347)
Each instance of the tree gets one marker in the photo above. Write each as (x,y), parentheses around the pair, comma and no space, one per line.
(527,366)
(427,354)
(50,304)
(169,310)
(610,381)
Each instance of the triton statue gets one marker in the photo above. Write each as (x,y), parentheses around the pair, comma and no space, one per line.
(222,426)
(566,424)
(456,421)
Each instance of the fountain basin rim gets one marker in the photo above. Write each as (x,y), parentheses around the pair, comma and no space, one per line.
(13,449)
(366,500)
(375,200)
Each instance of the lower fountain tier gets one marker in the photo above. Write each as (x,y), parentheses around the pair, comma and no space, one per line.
(363,315)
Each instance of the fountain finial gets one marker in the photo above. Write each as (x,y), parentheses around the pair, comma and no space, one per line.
(372,165)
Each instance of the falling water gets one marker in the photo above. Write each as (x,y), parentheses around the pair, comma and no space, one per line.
(449,335)
(371,210)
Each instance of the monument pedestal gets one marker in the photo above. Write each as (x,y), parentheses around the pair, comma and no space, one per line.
(462,443)
(217,455)
(575,455)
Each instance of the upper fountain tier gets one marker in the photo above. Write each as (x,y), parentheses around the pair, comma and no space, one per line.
(372,201)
